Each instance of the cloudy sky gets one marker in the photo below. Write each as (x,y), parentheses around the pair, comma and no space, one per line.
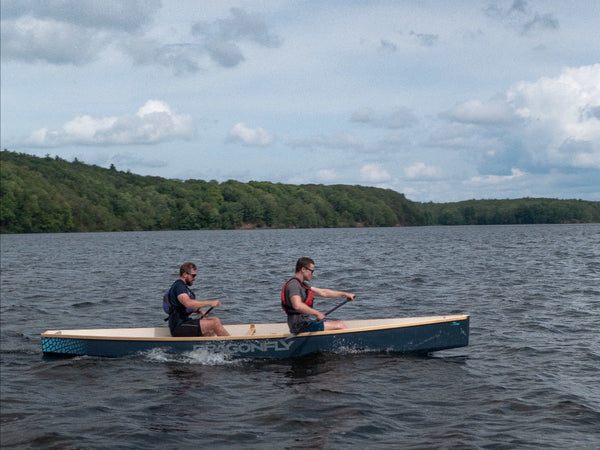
(440,100)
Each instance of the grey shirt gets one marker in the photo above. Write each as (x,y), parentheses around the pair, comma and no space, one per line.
(295,320)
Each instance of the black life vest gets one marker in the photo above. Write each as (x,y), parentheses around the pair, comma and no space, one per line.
(289,309)
(170,308)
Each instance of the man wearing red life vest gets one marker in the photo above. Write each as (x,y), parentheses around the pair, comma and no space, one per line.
(297,300)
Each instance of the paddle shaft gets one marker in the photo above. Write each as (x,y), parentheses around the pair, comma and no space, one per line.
(207,311)
(338,306)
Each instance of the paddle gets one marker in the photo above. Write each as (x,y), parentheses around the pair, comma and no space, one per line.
(206,313)
(308,324)
(198,312)
(338,306)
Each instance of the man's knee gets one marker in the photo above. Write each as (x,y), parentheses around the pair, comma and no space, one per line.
(213,323)
(335,325)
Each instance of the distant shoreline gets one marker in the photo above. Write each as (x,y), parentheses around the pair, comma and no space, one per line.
(53,195)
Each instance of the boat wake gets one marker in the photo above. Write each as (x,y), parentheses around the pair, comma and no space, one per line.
(350,350)
(198,356)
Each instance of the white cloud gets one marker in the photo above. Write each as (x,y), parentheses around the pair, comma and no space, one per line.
(340,140)
(374,173)
(521,18)
(560,117)
(551,122)
(127,15)
(401,117)
(69,31)
(221,38)
(426,40)
(327,175)
(388,46)
(250,137)
(31,39)
(420,170)
(153,123)
(76,32)
(495,111)
(496,179)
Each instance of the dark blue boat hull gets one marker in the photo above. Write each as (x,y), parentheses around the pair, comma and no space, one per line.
(420,338)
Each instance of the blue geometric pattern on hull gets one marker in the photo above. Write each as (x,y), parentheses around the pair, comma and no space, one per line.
(64,346)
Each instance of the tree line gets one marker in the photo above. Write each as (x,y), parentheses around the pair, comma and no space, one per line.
(54,195)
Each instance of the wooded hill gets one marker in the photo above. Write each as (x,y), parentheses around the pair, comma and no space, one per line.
(54,195)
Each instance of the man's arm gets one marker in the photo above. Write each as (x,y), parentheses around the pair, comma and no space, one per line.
(330,293)
(302,307)
(190,303)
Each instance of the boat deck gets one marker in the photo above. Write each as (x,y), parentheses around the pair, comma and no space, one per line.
(243,331)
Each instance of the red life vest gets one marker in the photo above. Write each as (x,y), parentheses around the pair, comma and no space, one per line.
(309,296)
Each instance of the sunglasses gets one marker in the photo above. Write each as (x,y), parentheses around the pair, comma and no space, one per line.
(194,275)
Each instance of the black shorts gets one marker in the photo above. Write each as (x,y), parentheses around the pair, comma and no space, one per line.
(188,328)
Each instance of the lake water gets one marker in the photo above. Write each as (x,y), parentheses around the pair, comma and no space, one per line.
(530,377)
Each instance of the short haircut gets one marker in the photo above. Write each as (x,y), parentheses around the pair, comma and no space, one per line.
(186,267)
(303,262)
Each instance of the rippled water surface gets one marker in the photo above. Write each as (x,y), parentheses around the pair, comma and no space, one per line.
(528,379)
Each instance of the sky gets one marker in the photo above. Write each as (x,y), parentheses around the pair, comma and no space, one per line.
(442,101)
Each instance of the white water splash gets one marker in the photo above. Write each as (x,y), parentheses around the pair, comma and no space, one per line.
(199,356)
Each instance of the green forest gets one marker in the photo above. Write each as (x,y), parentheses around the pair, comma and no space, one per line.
(43,195)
